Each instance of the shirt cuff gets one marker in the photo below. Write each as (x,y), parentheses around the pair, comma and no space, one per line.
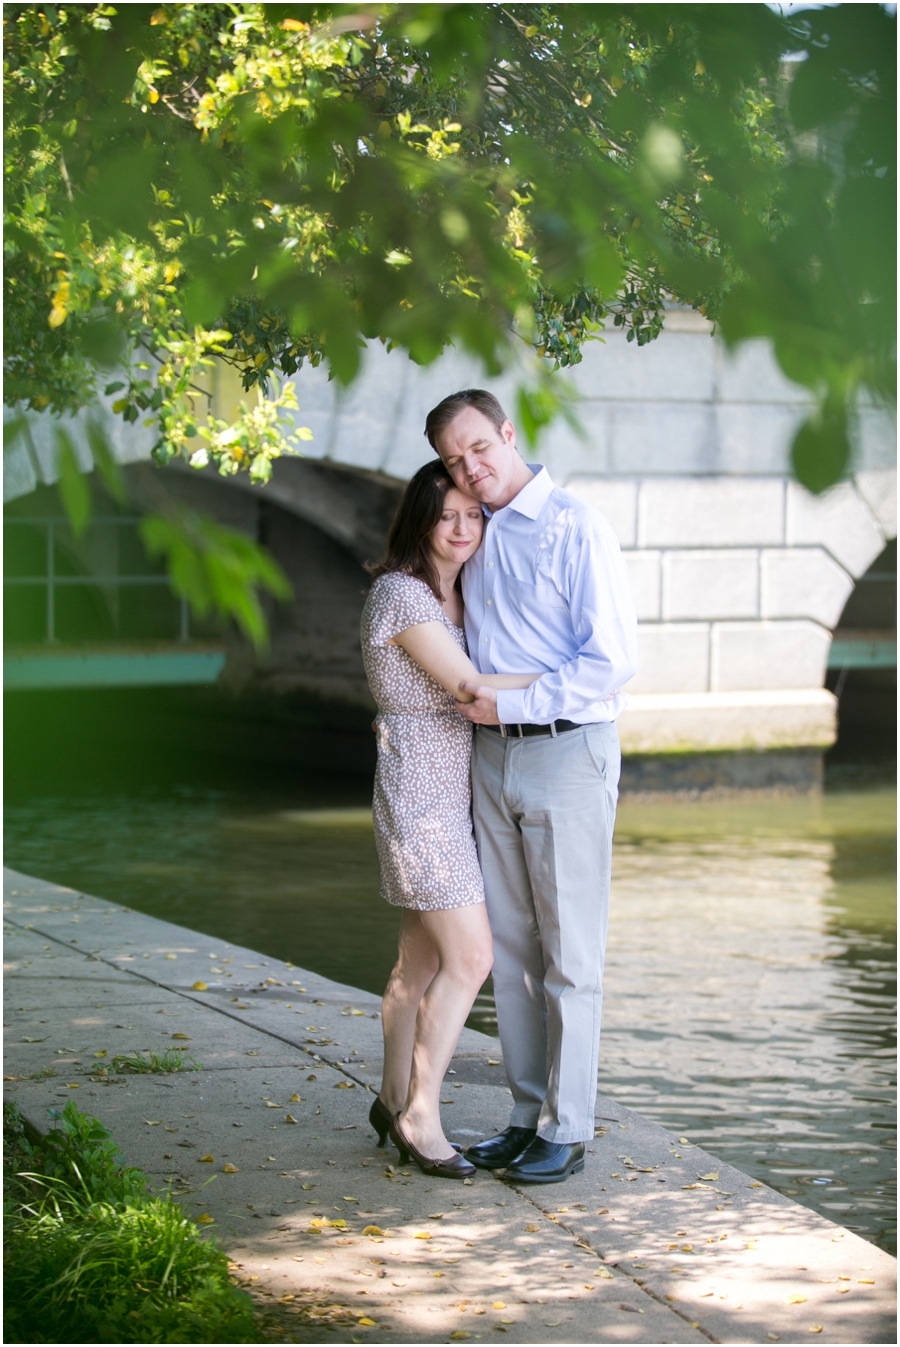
(511,706)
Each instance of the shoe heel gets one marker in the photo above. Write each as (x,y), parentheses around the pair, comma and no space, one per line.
(404,1155)
(578,1168)
(382,1137)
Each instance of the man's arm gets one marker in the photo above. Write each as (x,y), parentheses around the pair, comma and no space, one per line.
(594,581)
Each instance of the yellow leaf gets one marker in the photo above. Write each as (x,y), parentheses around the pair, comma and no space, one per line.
(206,1160)
(815,1328)
(459,1335)
(424,1234)
(101,1053)
(206,1219)
(864,1281)
(152,1124)
(338,1225)
(532,30)
(756,1185)
(289,1118)
(797,1299)
(295,1099)
(351,1199)
(294,26)
(604,1272)
(307,1186)
(531,1229)
(711,1177)
(437,1274)
(57,316)
(231,1169)
(499,1304)
(74,1087)
(185,1036)
(345,1085)
(199,987)
(687,1248)
(370,1229)
(171,956)
(669,1296)
(366,1323)
(494,1061)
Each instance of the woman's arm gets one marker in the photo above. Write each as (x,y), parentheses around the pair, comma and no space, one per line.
(431,646)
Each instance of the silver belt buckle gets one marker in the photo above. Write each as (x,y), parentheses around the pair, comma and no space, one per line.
(502,728)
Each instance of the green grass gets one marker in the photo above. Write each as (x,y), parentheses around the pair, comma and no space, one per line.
(91,1256)
(155,1062)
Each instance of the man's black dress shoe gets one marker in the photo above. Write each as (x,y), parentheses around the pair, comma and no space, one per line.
(547,1162)
(498,1151)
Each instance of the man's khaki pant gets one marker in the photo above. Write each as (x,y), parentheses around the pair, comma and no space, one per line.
(544,812)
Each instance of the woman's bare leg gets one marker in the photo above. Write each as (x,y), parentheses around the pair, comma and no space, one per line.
(461,938)
(417,963)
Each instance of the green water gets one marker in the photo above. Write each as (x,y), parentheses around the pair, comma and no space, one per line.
(750,984)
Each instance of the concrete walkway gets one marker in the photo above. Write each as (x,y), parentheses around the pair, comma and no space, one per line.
(656,1242)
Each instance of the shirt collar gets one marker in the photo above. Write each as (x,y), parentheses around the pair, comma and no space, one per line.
(533,496)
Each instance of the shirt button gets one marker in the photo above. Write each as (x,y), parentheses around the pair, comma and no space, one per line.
(490,565)
(490,603)
(484,640)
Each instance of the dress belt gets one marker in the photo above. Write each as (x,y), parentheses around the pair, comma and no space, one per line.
(524,731)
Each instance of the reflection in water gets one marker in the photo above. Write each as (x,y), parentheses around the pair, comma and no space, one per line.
(749,991)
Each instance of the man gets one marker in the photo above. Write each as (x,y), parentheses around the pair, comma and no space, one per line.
(547,590)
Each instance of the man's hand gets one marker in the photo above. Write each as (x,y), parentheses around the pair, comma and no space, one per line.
(483,710)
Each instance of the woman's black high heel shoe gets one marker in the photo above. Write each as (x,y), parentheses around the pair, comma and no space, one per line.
(457,1168)
(381,1118)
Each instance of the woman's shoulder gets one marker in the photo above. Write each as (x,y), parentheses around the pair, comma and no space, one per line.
(401,585)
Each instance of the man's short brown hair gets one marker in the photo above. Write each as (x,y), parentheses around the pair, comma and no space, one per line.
(439,418)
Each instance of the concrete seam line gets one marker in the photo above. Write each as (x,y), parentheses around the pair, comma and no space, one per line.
(219,1010)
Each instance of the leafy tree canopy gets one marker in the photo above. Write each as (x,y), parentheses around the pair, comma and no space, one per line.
(272,183)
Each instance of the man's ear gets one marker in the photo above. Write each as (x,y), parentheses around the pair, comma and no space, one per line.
(508,431)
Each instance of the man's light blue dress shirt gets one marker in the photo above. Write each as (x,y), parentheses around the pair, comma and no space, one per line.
(548,589)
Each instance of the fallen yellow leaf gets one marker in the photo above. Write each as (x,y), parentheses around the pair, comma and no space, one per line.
(351,1199)
(289,1118)
(670,1297)
(499,1304)
(171,956)
(185,1036)
(152,1124)
(206,1160)
(798,1299)
(864,1281)
(295,1099)
(231,1169)
(756,1185)
(199,987)
(531,1229)
(687,1248)
(346,1085)
(370,1229)
(206,1219)
(711,1177)
(815,1328)
(494,1061)
(604,1272)
(101,1053)
(424,1234)
(460,1335)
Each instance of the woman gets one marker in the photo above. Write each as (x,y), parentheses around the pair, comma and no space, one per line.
(415,654)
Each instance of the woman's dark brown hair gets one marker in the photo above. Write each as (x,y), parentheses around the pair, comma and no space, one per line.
(407,542)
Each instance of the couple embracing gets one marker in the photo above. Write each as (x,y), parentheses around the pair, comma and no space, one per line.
(502,603)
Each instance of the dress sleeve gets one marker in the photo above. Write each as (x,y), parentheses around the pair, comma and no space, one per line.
(400,601)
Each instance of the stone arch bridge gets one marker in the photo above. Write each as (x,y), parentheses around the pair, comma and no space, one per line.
(740,576)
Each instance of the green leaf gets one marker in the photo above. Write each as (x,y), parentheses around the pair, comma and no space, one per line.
(73,484)
(103,456)
(216,569)
(821,449)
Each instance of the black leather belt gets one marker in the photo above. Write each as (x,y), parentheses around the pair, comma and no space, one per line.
(524,731)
